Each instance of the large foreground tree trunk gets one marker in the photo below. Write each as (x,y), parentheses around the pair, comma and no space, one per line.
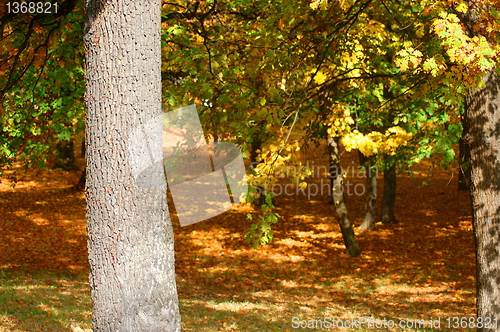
(130,238)
(346,228)
(482,116)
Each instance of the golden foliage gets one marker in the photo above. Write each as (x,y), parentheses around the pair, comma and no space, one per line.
(376,142)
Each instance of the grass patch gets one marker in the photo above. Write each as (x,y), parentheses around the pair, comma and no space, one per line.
(44,301)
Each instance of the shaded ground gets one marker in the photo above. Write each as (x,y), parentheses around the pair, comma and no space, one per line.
(421,268)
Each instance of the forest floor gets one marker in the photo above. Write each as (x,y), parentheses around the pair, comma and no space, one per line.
(418,273)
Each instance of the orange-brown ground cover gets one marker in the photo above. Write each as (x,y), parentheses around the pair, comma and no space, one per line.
(423,267)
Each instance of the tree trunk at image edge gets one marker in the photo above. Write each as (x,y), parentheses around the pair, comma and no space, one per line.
(482,114)
(130,237)
(371,192)
(389,196)
(346,228)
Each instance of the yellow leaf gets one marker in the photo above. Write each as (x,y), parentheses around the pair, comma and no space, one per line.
(314,4)
(461,7)
(320,78)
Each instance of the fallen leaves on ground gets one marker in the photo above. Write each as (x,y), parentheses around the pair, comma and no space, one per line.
(422,267)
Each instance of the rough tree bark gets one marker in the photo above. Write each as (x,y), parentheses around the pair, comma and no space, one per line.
(483,136)
(389,196)
(130,238)
(483,113)
(371,193)
(352,248)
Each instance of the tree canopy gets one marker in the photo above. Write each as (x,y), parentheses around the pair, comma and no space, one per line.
(41,81)
(386,76)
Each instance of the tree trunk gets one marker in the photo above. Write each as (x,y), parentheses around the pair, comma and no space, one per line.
(82,155)
(371,193)
(66,156)
(482,116)
(258,191)
(389,196)
(350,242)
(81,182)
(254,146)
(130,237)
(464,159)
